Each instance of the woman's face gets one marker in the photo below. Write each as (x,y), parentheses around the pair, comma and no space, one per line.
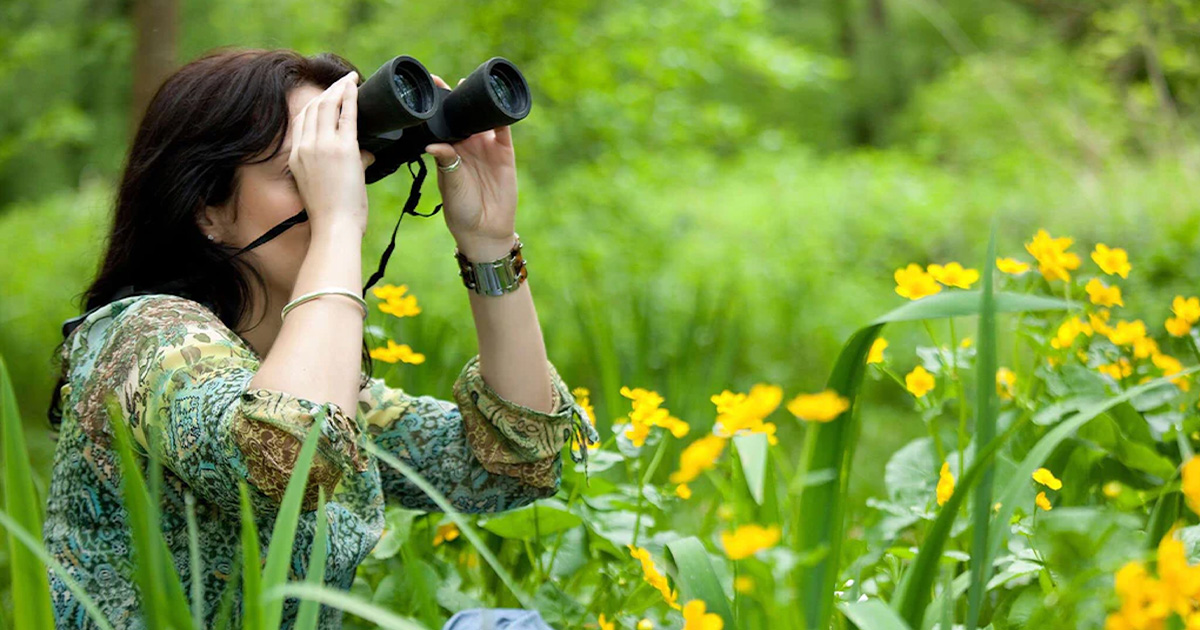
(267,196)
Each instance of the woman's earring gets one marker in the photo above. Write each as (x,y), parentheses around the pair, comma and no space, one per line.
(210,237)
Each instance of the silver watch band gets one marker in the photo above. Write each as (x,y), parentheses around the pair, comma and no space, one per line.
(495,277)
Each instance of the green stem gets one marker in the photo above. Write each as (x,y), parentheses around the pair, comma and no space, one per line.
(658,455)
(962,398)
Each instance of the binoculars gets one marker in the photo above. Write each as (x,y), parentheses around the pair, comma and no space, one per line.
(401,109)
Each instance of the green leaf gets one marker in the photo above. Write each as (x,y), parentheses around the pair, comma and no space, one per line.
(30,584)
(753,453)
(820,511)
(547,516)
(464,527)
(283,536)
(873,614)
(160,588)
(194,561)
(986,410)
(308,614)
(340,599)
(251,566)
(1037,455)
(696,578)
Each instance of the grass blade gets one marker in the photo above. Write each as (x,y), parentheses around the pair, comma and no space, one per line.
(308,615)
(381,617)
(195,562)
(164,602)
(283,534)
(986,410)
(464,527)
(821,506)
(913,594)
(30,584)
(251,567)
(696,578)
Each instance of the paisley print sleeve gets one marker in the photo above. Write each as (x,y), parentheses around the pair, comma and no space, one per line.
(485,453)
(177,368)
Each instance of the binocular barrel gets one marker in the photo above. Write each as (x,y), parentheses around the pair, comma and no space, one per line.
(401,109)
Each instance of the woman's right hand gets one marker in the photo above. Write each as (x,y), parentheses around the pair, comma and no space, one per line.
(326,160)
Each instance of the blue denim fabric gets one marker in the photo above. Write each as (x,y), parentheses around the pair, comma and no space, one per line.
(496,619)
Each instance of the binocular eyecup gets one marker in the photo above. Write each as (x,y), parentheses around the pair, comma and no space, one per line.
(401,110)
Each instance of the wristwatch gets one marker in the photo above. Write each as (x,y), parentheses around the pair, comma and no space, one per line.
(496,277)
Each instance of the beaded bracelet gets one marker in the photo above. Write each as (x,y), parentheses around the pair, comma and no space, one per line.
(318,293)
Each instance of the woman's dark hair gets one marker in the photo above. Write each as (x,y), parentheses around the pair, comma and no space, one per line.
(206,119)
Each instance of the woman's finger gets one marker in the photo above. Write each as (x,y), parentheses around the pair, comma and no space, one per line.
(504,135)
(439,81)
(348,121)
(327,112)
(443,154)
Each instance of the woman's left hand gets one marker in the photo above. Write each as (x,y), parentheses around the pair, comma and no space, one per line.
(480,197)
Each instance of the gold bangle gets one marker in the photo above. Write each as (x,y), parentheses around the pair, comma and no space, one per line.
(318,293)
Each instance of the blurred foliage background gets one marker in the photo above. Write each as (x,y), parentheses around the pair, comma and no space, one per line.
(714,193)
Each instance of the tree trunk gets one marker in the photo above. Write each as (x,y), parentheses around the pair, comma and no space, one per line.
(157,24)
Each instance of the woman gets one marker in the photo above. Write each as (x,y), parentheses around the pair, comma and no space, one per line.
(231,145)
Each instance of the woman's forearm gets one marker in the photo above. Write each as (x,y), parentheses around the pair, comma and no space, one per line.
(512,352)
(317,354)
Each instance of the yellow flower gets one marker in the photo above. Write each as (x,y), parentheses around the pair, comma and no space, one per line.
(445,533)
(1126,333)
(605,625)
(647,413)
(1102,295)
(1117,371)
(393,353)
(744,584)
(919,381)
(1169,366)
(1006,381)
(683,491)
(1112,489)
(645,624)
(967,342)
(737,413)
(1068,331)
(821,407)
(1047,478)
(1180,583)
(1187,309)
(699,456)
(953,275)
(1191,483)
(945,484)
(1042,501)
(1111,260)
(582,397)
(1144,604)
(653,576)
(1177,326)
(389,291)
(1011,266)
(1099,322)
(1145,347)
(877,347)
(695,617)
(1051,254)
(914,283)
(748,540)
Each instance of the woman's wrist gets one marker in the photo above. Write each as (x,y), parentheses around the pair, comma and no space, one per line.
(486,249)
(341,230)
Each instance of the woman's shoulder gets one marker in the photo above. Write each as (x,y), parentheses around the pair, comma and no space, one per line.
(154,319)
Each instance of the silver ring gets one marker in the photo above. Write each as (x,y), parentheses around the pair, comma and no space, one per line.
(453,167)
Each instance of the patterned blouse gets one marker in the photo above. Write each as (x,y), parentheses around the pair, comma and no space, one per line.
(175,365)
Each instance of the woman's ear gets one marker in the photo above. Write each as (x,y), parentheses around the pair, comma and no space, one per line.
(213,222)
